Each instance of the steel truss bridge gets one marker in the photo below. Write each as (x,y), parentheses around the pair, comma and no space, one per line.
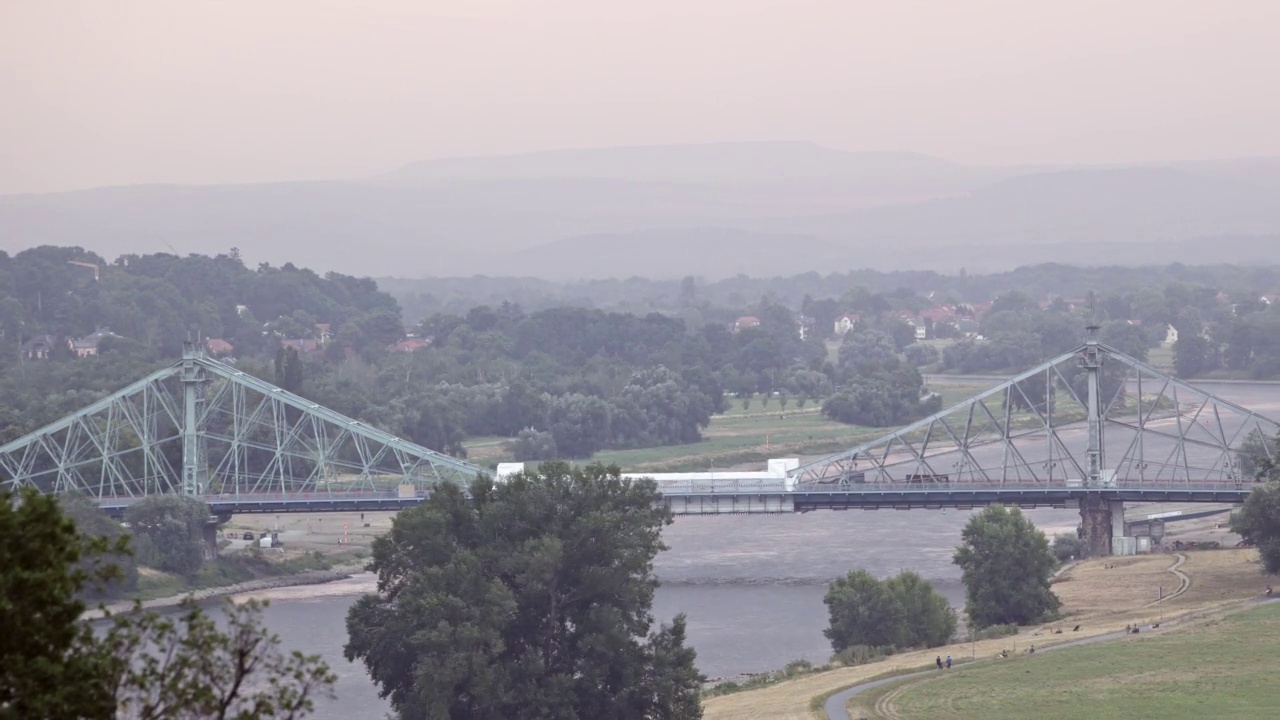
(1090,427)
(202,428)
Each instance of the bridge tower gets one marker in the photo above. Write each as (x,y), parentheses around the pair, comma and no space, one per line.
(1100,520)
(195,469)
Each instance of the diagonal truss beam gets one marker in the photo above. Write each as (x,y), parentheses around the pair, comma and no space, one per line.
(200,427)
(1033,430)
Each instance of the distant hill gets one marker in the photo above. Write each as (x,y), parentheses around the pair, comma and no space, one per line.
(1116,205)
(710,163)
(704,252)
(713,210)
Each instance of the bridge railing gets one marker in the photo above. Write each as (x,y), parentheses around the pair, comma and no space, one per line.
(779,486)
(108,501)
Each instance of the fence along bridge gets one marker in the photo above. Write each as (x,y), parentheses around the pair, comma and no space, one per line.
(1090,429)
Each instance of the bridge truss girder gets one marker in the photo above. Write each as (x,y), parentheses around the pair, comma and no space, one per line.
(1034,430)
(200,427)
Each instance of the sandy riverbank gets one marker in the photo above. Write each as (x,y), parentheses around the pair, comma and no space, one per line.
(351,580)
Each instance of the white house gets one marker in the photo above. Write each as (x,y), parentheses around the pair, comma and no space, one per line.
(845,323)
(1170,335)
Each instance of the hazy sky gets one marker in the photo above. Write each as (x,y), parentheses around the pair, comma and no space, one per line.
(128,91)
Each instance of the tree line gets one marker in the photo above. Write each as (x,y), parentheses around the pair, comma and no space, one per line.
(559,382)
(828,295)
(568,381)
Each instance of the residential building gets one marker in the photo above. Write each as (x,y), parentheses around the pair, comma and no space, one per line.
(217,347)
(744,322)
(39,347)
(845,323)
(939,313)
(87,346)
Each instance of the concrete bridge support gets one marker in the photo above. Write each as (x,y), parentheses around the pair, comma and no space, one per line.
(1100,521)
(210,534)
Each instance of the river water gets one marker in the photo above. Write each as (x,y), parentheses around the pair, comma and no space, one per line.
(751,586)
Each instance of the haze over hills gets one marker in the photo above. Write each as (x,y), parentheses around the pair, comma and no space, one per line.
(666,211)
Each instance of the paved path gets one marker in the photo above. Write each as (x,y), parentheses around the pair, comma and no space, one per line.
(835,705)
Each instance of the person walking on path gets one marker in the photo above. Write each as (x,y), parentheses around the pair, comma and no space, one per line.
(948,662)
(938,660)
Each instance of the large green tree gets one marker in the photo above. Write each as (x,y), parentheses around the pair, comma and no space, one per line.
(899,612)
(1006,564)
(113,573)
(49,665)
(1192,354)
(1259,518)
(143,665)
(168,532)
(530,598)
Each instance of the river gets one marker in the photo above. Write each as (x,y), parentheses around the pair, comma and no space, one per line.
(751,586)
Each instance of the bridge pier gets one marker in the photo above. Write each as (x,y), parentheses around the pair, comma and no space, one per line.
(1100,522)
(210,534)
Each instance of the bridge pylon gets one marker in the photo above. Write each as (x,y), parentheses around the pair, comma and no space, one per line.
(201,427)
(1094,423)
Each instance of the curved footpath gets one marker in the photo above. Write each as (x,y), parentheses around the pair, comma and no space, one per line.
(1183,579)
(834,707)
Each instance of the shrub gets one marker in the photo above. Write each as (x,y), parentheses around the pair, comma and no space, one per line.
(1066,546)
(860,655)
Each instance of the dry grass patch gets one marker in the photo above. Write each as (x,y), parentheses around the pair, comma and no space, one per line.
(1221,575)
(1093,588)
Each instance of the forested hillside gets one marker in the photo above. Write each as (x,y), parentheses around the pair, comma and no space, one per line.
(561,380)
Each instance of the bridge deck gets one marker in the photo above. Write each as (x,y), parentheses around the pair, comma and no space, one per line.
(716,501)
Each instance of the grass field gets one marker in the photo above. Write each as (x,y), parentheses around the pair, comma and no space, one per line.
(1161,357)
(739,436)
(1099,599)
(1222,668)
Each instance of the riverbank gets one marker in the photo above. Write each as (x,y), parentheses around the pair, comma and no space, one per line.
(311,577)
(1099,596)
(1220,660)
